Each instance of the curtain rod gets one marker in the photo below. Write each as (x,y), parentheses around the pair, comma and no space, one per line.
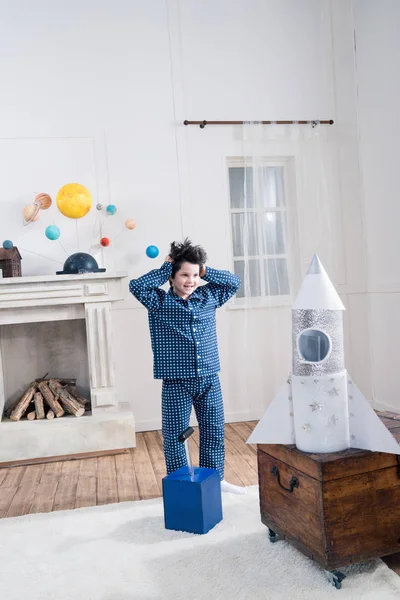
(204,123)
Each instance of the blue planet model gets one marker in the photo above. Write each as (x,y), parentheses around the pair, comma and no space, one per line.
(152,251)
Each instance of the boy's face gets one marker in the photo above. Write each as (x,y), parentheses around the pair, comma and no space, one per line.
(186,280)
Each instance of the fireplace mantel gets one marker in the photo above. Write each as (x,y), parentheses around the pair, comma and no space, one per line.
(43,293)
(87,296)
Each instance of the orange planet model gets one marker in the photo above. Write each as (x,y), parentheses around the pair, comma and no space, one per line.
(44,200)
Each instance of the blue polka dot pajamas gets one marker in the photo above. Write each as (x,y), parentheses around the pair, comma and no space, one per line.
(184,342)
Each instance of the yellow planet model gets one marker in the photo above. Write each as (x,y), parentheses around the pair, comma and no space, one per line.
(74,200)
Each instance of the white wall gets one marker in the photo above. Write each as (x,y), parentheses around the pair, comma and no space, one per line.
(376,27)
(96,91)
(353,286)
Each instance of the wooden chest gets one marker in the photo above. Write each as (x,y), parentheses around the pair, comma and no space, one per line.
(339,508)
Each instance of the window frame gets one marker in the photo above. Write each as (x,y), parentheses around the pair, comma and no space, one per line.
(287,163)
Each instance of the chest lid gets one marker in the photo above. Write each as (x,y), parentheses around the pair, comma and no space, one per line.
(335,465)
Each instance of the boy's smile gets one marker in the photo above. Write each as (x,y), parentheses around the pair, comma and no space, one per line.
(186,280)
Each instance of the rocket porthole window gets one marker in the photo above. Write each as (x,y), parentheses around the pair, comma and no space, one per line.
(314,345)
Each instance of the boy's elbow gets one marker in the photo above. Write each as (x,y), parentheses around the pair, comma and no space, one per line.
(237,282)
(133,287)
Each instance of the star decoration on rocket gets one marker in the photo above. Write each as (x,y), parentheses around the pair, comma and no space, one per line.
(306,427)
(333,392)
(332,421)
(316,406)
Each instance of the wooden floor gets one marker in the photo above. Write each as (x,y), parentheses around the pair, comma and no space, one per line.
(135,475)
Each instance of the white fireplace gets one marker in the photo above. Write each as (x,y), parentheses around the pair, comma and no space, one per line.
(78,309)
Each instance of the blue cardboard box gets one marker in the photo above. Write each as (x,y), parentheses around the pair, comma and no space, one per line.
(192,503)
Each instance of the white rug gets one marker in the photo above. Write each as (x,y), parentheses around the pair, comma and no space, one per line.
(123,552)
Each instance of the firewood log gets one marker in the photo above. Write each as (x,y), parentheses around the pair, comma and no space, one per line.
(55,386)
(50,399)
(31,416)
(70,404)
(71,382)
(81,399)
(22,404)
(50,415)
(39,406)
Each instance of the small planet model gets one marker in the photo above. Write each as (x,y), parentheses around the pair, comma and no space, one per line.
(31,213)
(105,242)
(74,200)
(52,232)
(111,209)
(99,206)
(43,200)
(80,262)
(7,245)
(130,224)
(152,251)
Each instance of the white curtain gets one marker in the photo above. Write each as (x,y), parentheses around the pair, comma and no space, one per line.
(282,201)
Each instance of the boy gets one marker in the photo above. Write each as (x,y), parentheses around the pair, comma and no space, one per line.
(184,342)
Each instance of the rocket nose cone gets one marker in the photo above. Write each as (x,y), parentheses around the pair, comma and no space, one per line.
(317,290)
(315,266)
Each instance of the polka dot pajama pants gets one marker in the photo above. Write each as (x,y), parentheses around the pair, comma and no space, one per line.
(178,396)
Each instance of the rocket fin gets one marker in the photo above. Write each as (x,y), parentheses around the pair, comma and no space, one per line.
(367,431)
(276,425)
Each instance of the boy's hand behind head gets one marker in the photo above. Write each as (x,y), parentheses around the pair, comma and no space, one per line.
(168,259)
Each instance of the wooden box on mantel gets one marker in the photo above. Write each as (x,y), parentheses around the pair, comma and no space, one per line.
(338,508)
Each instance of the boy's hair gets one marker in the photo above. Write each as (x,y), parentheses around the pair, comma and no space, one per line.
(185,252)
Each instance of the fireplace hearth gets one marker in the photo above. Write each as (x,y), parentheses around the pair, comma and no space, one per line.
(85,302)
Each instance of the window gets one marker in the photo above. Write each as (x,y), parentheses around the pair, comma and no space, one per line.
(314,345)
(258,207)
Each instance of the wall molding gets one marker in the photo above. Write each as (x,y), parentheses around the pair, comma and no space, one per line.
(386,288)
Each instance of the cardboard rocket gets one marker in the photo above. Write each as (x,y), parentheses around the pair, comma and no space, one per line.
(319,408)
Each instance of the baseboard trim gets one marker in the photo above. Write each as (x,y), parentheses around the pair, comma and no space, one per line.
(385,406)
(50,459)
